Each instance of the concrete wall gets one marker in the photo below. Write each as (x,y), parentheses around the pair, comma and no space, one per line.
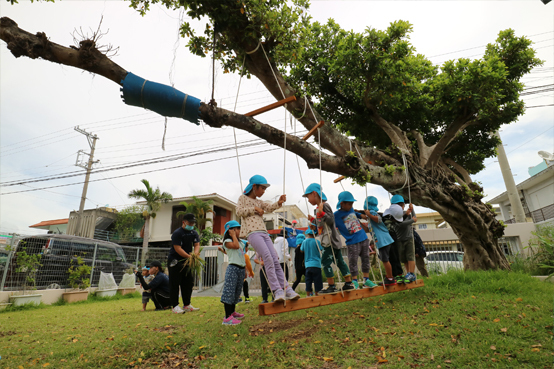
(48,296)
(540,195)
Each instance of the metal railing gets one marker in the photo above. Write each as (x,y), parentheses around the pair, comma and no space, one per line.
(57,253)
(539,215)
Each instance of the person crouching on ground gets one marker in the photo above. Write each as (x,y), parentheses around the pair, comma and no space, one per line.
(234,276)
(159,286)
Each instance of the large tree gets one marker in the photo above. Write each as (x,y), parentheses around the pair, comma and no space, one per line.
(414,122)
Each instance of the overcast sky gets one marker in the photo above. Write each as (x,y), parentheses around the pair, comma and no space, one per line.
(41,102)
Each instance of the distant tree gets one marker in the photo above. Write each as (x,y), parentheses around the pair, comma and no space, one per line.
(128,220)
(154,199)
(199,208)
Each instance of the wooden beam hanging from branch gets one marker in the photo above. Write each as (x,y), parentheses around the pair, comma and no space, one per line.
(312,131)
(322,300)
(271,106)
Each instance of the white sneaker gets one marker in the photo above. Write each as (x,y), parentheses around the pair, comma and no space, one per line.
(177,310)
(190,308)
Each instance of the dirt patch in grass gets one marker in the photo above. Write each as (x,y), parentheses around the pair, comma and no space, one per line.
(305,333)
(165,329)
(175,359)
(8,333)
(273,327)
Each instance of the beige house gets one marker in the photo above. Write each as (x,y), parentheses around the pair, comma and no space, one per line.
(287,213)
(430,221)
(166,220)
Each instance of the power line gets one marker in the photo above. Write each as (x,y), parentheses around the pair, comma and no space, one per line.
(145,172)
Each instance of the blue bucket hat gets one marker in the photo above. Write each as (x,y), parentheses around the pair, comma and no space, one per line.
(371,203)
(396,199)
(309,231)
(323,197)
(256,180)
(231,224)
(338,205)
(300,238)
(311,188)
(346,196)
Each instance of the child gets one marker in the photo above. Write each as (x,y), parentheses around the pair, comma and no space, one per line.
(250,209)
(383,239)
(263,279)
(330,240)
(356,239)
(234,276)
(312,259)
(249,274)
(282,249)
(146,295)
(405,238)
(299,266)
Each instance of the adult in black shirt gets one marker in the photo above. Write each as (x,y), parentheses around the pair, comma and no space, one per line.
(184,241)
(159,285)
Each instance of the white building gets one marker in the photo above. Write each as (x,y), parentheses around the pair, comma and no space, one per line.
(536,193)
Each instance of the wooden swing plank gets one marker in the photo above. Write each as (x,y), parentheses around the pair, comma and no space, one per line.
(322,300)
(312,131)
(271,106)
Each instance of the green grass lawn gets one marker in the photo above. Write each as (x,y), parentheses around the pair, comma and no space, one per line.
(471,319)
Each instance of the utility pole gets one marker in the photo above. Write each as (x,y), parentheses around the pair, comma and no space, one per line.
(92,143)
(513,195)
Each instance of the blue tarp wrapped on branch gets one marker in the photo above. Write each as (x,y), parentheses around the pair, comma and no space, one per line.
(164,100)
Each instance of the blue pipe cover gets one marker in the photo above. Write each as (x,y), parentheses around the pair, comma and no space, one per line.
(162,99)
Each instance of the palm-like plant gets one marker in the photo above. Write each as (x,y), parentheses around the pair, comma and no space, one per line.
(154,199)
(199,208)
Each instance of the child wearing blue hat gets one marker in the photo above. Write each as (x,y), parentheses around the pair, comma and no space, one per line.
(251,210)
(299,266)
(234,276)
(404,235)
(383,239)
(312,260)
(356,239)
(325,224)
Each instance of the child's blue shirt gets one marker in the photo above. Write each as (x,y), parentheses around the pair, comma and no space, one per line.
(382,235)
(312,257)
(349,226)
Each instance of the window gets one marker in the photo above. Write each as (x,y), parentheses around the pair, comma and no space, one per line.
(422,226)
(460,257)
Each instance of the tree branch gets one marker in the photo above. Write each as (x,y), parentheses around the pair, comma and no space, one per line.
(458,168)
(449,135)
(86,57)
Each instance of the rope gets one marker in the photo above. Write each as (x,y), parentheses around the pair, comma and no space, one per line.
(285,282)
(274,75)
(234,110)
(267,280)
(256,49)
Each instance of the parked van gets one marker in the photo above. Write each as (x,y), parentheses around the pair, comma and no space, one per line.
(60,251)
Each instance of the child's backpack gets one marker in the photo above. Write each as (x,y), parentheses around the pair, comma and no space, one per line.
(390,223)
(419,246)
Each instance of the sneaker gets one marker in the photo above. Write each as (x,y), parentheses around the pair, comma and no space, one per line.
(177,310)
(411,277)
(348,286)
(237,315)
(291,295)
(330,289)
(190,308)
(399,279)
(279,295)
(368,283)
(231,321)
(247,300)
(389,282)
(356,284)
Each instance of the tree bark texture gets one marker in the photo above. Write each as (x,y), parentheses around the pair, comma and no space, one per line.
(432,186)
